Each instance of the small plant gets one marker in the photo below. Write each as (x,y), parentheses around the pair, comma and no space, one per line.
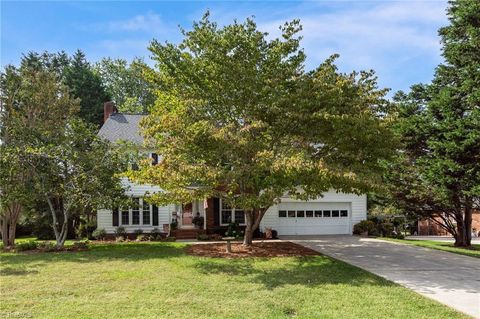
(364,227)
(143,238)
(400,236)
(81,245)
(46,246)
(274,234)
(137,232)
(174,224)
(203,237)
(120,232)
(26,245)
(99,234)
(170,239)
(198,221)
(233,230)
(156,234)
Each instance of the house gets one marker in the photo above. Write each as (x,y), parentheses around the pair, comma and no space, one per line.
(334,213)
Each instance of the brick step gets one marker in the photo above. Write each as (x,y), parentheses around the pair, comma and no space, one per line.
(187,233)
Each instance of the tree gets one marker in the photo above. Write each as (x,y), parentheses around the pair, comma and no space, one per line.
(126,83)
(86,85)
(78,75)
(75,173)
(33,106)
(238,117)
(438,173)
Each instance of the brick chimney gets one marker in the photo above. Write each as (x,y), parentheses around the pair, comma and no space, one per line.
(108,109)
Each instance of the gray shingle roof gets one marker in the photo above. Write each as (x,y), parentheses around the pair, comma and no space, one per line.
(122,127)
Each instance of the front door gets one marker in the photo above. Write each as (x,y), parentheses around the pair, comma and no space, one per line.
(187,215)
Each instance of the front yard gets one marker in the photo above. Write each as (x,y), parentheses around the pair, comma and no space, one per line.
(159,280)
(473,251)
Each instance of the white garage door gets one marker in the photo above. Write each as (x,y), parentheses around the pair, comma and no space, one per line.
(308,218)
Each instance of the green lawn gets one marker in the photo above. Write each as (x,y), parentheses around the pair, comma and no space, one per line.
(158,280)
(474,251)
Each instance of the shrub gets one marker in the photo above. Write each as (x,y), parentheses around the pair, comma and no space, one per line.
(81,244)
(143,238)
(170,239)
(400,236)
(120,232)
(386,229)
(156,234)
(99,234)
(86,229)
(203,237)
(173,225)
(233,230)
(364,226)
(137,232)
(26,245)
(274,234)
(198,221)
(46,246)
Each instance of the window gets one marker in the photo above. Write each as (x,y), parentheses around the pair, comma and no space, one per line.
(344,213)
(240,216)
(326,213)
(146,214)
(309,213)
(125,216)
(136,212)
(229,214)
(318,213)
(335,213)
(300,213)
(282,213)
(291,213)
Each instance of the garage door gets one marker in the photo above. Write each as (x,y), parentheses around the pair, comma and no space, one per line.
(307,218)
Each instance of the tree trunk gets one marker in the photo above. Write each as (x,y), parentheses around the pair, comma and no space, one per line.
(60,236)
(248,236)
(461,236)
(9,222)
(253,218)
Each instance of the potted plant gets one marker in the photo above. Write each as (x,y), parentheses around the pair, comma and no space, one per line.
(198,221)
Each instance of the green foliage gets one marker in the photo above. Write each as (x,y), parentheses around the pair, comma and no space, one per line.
(86,229)
(233,230)
(86,85)
(137,232)
(237,114)
(120,232)
(46,246)
(81,245)
(156,234)
(365,226)
(438,171)
(99,234)
(26,245)
(126,84)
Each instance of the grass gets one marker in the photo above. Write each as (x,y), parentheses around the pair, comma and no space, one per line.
(158,280)
(474,251)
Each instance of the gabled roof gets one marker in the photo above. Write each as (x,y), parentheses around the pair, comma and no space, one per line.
(122,127)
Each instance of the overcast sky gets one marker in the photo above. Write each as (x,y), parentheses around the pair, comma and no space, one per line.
(397,39)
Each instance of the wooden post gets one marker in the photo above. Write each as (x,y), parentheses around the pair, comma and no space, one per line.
(229,247)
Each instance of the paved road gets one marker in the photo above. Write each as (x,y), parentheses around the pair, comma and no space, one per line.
(451,279)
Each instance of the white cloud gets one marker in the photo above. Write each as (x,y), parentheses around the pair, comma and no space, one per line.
(149,22)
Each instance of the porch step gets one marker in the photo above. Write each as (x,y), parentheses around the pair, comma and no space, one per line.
(187,233)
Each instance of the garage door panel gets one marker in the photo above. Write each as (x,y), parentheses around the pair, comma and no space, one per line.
(310,218)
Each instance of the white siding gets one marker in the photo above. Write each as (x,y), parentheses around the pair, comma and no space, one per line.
(356,206)
(104,216)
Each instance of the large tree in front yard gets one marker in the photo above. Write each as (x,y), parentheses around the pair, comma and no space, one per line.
(238,117)
(438,174)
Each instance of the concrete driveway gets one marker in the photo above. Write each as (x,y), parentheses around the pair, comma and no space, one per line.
(451,279)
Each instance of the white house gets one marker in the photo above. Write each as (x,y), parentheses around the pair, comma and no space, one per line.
(333,213)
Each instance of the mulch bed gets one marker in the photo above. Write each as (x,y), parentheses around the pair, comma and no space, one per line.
(262,249)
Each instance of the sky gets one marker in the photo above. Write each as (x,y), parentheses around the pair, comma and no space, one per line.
(397,39)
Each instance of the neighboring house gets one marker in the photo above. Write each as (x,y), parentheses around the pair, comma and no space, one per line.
(334,213)
(428,227)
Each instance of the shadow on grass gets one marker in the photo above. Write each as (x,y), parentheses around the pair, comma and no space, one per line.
(306,271)
(96,253)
